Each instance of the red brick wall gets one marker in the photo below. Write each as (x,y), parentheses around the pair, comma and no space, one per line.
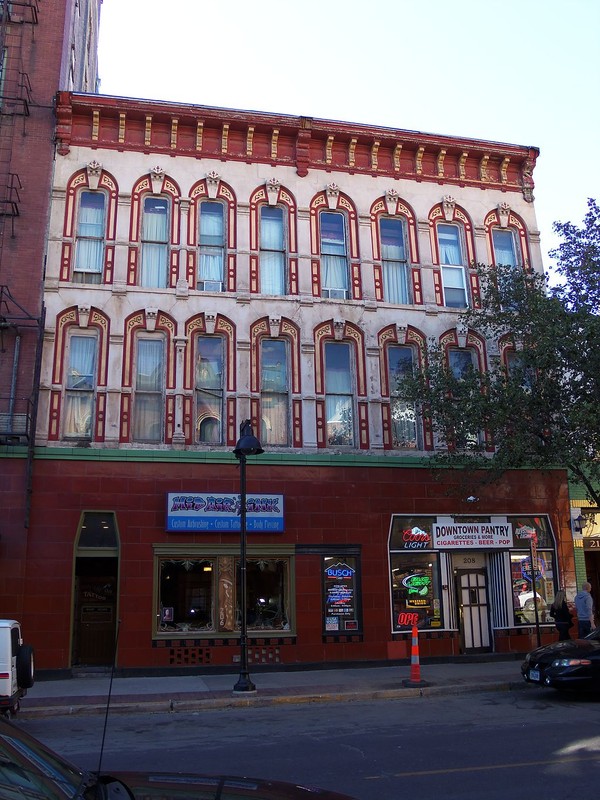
(323,505)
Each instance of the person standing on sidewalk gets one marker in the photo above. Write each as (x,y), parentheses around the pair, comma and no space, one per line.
(563,619)
(585,609)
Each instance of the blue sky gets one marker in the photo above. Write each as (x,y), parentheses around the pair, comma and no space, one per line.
(518,71)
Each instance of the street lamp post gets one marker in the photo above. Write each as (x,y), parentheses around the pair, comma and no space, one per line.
(248,445)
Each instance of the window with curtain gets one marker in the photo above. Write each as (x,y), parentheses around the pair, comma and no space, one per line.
(505,251)
(394,262)
(272,251)
(404,418)
(209,390)
(338,394)
(211,254)
(452,261)
(155,243)
(334,255)
(274,397)
(148,402)
(89,240)
(80,386)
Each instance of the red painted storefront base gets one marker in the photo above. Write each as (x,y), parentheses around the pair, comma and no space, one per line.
(325,506)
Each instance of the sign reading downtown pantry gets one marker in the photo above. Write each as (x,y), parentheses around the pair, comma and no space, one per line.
(446,532)
(190,513)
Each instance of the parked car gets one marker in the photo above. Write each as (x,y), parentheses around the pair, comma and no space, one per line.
(573,664)
(16,666)
(30,769)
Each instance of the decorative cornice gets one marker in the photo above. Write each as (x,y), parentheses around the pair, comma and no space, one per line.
(278,139)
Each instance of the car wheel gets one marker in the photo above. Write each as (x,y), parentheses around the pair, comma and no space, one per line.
(25,669)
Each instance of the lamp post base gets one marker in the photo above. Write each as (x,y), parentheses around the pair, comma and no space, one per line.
(244,685)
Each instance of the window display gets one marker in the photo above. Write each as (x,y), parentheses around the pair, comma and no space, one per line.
(341,612)
(201,594)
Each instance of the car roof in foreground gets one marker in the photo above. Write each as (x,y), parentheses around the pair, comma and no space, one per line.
(20,748)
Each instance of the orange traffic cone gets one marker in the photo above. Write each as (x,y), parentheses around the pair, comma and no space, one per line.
(415,666)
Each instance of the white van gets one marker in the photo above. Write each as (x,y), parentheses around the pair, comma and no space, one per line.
(16,666)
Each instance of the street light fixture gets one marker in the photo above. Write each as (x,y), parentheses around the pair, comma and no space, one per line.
(248,445)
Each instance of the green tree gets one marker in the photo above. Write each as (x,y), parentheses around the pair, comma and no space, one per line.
(540,410)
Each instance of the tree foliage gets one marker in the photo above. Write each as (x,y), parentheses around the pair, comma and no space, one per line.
(540,410)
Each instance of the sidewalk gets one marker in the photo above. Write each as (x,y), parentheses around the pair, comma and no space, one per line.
(88,695)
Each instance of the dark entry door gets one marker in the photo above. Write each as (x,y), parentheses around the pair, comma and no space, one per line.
(94,628)
(471,586)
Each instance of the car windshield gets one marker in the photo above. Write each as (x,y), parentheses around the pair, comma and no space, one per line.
(28,769)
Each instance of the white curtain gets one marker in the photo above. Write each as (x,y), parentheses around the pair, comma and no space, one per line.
(79,397)
(334,264)
(212,229)
(272,251)
(395,282)
(449,244)
(89,250)
(155,236)
(147,424)
(274,392)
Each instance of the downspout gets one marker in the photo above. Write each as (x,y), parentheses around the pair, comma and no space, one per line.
(34,409)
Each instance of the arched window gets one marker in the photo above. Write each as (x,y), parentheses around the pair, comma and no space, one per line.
(507,237)
(211,246)
(334,255)
(89,239)
(339,394)
(209,389)
(82,356)
(453,252)
(155,242)
(405,432)
(79,375)
(274,392)
(273,258)
(394,260)
(149,387)
(453,262)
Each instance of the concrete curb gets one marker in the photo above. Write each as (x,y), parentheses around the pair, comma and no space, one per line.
(195,702)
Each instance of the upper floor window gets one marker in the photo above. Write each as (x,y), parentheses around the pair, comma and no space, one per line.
(149,390)
(452,260)
(334,255)
(339,394)
(462,363)
(155,242)
(209,390)
(89,243)
(272,251)
(394,262)
(403,415)
(211,257)
(274,396)
(505,250)
(80,386)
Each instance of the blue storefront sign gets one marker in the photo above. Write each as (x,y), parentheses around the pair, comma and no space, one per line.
(220,513)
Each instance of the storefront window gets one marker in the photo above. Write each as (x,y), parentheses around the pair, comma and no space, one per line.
(416,590)
(532,583)
(267,604)
(202,594)
(187,595)
(341,608)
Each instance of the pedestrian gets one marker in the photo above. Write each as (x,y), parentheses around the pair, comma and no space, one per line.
(584,606)
(563,619)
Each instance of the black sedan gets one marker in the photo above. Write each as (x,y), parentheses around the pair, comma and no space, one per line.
(574,664)
(29,769)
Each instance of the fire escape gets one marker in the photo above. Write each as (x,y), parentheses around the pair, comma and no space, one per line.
(21,328)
